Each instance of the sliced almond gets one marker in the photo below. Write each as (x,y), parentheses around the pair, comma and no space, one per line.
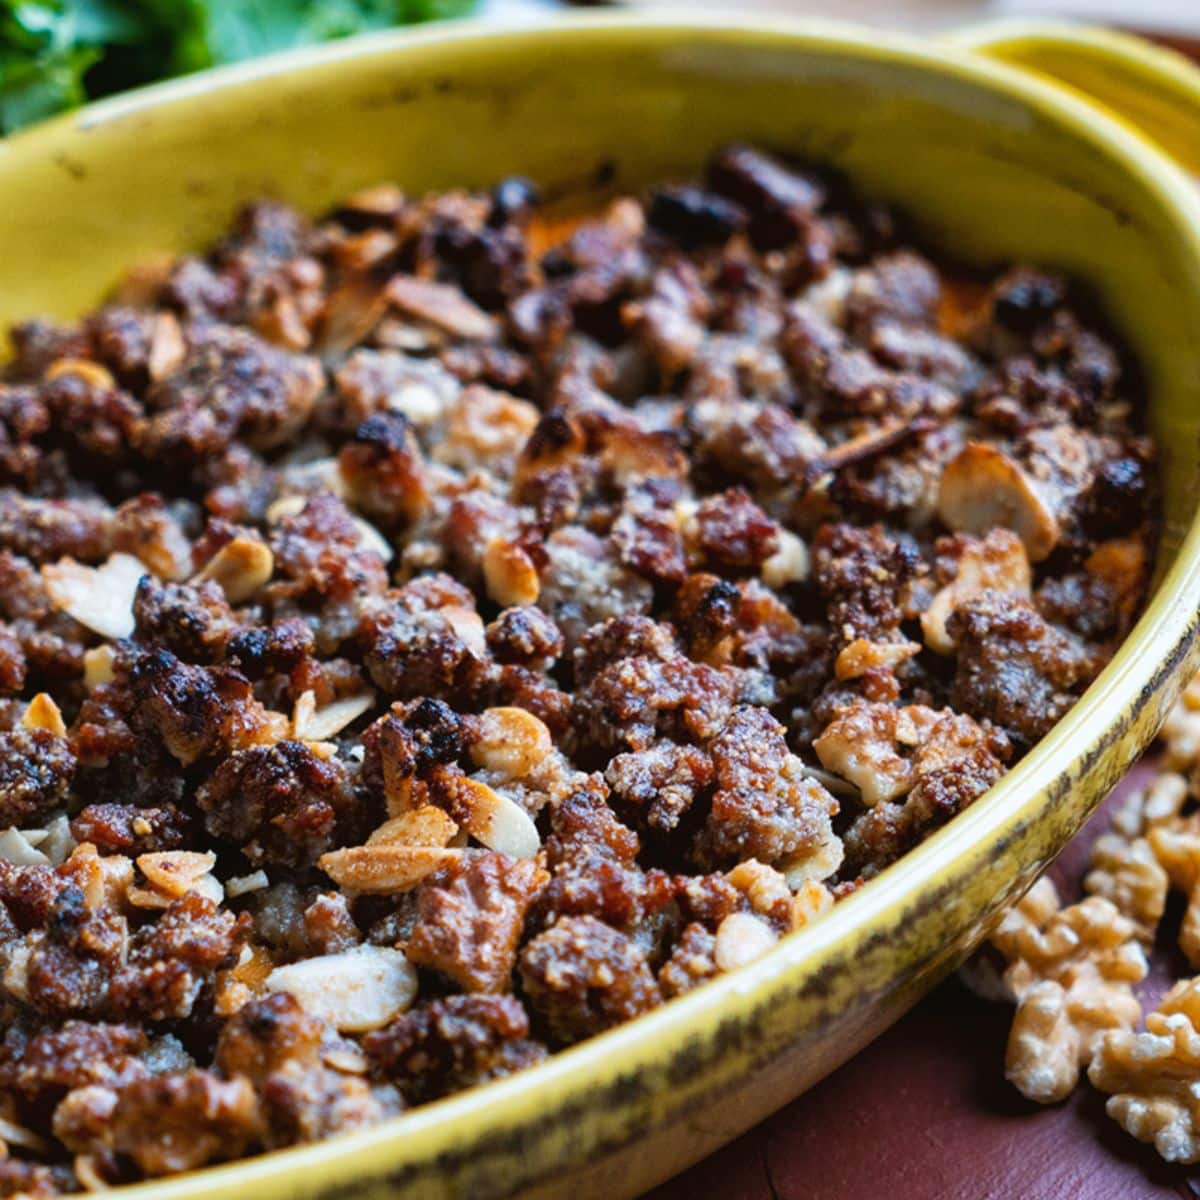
(176,872)
(312,724)
(17,1135)
(982,488)
(498,822)
(789,564)
(741,938)
(82,368)
(44,714)
(862,655)
(468,626)
(868,445)
(16,968)
(371,540)
(207,886)
(241,567)
(385,869)
(167,347)
(508,571)
(352,310)
(98,663)
(347,1059)
(511,741)
(99,597)
(59,843)
(442,306)
(87,1171)
(17,847)
(356,990)
(242,885)
(424,826)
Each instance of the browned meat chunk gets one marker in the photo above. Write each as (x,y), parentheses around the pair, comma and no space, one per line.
(448,1044)
(582,977)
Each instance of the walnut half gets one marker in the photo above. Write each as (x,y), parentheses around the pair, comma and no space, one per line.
(1071,971)
(1151,1077)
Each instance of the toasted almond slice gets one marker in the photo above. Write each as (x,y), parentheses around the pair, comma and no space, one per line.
(509,574)
(16,847)
(511,741)
(176,871)
(84,368)
(982,488)
(384,869)
(99,597)
(789,564)
(424,826)
(43,713)
(154,897)
(346,1059)
(15,978)
(442,306)
(741,938)
(59,843)
(241,567)
(241,885)
(468,625)
(17,1135)
(98,665)
(352,310)
(88,1173)
(378,200)
(319,724)
(500,823)
(371,540)
(302,712)
(359,989)
(167,347)
(861,656)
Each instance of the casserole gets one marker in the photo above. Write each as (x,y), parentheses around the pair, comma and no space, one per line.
(991,165)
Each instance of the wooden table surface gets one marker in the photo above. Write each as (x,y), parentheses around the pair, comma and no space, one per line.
(925,1113)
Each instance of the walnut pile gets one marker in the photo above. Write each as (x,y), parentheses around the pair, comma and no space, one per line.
(436,633)
(1072,971)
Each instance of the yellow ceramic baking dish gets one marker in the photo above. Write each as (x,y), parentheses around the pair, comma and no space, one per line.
(991,162)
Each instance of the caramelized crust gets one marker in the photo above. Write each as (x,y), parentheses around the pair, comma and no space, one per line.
(437,633)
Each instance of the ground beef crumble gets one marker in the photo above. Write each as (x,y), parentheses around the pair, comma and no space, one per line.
(435,634)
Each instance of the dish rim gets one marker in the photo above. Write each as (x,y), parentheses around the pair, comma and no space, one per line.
(1153,650)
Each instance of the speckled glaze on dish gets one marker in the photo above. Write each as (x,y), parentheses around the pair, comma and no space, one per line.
(993,164)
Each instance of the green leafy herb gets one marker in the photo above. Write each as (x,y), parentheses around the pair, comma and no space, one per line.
(57,54)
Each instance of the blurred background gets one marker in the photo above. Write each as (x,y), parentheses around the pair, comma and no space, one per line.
(57,54)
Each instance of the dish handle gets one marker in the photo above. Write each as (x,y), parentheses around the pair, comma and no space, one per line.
(1155,90)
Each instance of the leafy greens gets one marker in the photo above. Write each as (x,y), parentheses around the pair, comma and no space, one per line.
(56,54)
